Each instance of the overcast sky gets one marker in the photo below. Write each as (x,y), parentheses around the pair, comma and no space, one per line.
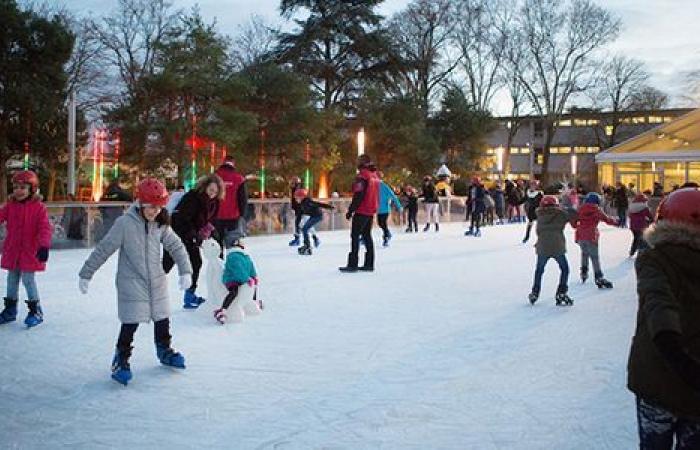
(663,34)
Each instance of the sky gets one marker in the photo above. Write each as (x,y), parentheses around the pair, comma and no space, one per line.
(663,34)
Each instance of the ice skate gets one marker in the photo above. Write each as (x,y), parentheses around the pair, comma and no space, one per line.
(317,241)
(9,314)
(584,274)
(295,242)
(562,299)
(304,250)
(602,283)
(35,315)
(427,227)
(220,316)
(191,301)
(169,357)
(534,295)
(121,370)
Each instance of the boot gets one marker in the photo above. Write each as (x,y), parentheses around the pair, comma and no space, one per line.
(352,264)
(121,370)
(562,299)
(437,227)
(305,250)
(477,233)
(9,314)
(35,315)
(427,227)
(409,229)
(191,301)
(602,283)
(385,240)
(295,242)
(169,357)
(317,241)
(415,227)
(584,274)
(469,232)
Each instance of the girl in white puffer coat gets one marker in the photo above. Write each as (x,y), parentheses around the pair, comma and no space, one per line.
(142,287)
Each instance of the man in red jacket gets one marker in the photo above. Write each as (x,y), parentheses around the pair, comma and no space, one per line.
(230,220)
(365,200)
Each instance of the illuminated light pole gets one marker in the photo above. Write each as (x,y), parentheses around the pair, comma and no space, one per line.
(307,172)
(211,157)
(262,163)
(361,142)
(193,176)
(26,155)
(117,143)
(574,166)
(499,161)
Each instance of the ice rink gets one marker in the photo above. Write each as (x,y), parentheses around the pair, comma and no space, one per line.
(437,349)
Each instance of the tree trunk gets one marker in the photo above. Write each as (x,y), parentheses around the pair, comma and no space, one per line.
(545,178)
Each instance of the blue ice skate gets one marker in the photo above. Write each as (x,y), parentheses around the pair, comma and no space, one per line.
(317,241)
(121,371)
(35,316)
(295,242)
(192,301)
(169,357)
(9,314)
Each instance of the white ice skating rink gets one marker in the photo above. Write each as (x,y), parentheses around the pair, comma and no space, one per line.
(437,349)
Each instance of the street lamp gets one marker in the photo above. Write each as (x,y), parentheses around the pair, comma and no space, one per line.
(574,164)
(499,161)
(361,142)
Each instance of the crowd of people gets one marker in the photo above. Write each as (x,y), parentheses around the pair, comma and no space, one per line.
(664,361)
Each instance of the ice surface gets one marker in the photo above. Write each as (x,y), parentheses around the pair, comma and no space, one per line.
(438,348)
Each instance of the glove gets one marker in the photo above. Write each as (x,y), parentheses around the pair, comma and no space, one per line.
(252,281)
(42,254)
(185,282)
(204,233)
(348,215)
(83,284)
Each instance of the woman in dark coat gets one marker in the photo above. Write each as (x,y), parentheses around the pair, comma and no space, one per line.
(192,222)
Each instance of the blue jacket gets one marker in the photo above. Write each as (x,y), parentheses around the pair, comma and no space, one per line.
(386,197)
(239,268)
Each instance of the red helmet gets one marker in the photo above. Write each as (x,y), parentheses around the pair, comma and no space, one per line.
(640,198)
(26,177)
(681,206)
(152,192)
(300,193)
(549,200)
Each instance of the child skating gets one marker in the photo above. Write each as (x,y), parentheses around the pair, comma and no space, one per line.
(551,244)
(312,210)
(640,219)
(412,209)
(664,361)
(26,246)
(142,285)
(587,235)
(241,281)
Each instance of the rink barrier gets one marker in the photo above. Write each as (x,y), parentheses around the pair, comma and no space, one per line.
(269,216)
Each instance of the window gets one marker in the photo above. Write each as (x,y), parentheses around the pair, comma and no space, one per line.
(540,159)
(582,149)
(656,119)
(668,119)
(609,130)
(538,129)
(637,120)
(559,150)
(490,151)
(524,150)
(586,122)
(514,150)
(565,123)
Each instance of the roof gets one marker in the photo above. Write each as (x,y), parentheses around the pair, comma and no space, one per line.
(678,140)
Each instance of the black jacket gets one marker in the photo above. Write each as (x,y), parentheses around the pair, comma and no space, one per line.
(430,193)
(194,211)
(312,208)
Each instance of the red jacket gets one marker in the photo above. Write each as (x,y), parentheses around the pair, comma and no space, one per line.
(640,216)
(229,208)
(28,229)
(370,201)
(586,224)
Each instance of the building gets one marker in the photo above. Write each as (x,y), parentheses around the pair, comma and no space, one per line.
(668,154)
(515,148)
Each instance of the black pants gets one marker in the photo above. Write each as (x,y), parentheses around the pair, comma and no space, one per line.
(361,226)
(233,293)
(413,218)
(528,229)
(161,335)
(224,227)
(475,221)
(638,242)
(195,260)
(381,220)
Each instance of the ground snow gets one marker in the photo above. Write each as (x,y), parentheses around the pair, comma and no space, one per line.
(438,348)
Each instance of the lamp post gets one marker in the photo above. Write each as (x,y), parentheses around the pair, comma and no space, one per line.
(499,161)
(574,166)
(531,154)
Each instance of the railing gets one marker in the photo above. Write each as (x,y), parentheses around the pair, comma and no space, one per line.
(81,225)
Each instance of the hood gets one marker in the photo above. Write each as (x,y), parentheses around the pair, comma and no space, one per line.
(673,233)
(36,197)
(134,212)
(637,207)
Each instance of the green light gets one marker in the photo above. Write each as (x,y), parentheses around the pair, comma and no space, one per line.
(26,161)
(262,181)
(116,171)
(307,179)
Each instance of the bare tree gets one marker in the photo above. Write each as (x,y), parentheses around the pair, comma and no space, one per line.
(561,39)
(648,98)
(421,34)
(254,42)
(482,34)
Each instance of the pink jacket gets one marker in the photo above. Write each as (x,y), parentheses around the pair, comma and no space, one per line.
(28,229)
(640,216)
(586,224)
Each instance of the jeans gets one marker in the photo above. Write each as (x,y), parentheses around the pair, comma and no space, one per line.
(589,249)
(621,217)
(657,428)
(308,225)
(13,278)
(382,221)
(563,277)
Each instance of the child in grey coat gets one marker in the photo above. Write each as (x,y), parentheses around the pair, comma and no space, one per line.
(142,287)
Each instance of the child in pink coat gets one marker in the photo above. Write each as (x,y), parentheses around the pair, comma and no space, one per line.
(26,247)
(586,224)
(640,219)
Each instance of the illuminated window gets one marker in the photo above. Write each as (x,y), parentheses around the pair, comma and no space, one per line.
(565,123)
(524,150)
(668,119)
(559,150)
(540,159)
(489,151)
(609,130)
(586,122)
(656,119)
(582,149)
(514,150)
(637,120)
(591,122)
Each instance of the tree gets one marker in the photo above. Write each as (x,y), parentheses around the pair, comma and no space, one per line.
(34,50)
(561,39)
(338,45)
(254,43)
(420,35)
